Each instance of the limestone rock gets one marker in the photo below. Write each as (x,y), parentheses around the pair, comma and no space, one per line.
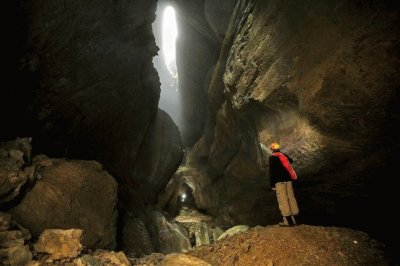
(198,47)
(17,156)
(216,233)
(136,241)
(202,234)
(112,258)
(5,221)
(60,244)
(152,259)
(11,238)
(167,194)
(159,157)
(15,255)
(175,259)
(103,257)
(13,251)
(15,175)
(95,91)
(87,260)
(323,81)
(19,149)
(218,15)
(33,263)
(168,235)
(67,196)
(12,179)
(234,230)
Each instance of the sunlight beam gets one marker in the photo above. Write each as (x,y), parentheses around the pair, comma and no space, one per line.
(169,34)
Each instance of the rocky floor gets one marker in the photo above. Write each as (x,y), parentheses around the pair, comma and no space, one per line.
(266,246)
(274,245)
(300,245)
(189,215)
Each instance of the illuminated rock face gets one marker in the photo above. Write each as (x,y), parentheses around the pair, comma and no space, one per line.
(321,79)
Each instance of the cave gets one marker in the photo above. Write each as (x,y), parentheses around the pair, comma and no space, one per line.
(112,129)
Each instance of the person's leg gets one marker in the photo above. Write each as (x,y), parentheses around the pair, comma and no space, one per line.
(283,201)
(282,198)
(292,201)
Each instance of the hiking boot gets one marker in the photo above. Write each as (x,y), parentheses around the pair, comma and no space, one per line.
(287,221)
(283,224)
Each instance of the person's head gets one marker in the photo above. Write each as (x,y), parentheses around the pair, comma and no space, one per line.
(275,146)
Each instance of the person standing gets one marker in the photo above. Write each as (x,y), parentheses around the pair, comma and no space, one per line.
(281,175)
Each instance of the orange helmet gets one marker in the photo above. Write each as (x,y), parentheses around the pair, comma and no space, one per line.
(275,146)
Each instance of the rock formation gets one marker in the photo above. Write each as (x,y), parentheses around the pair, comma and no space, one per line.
(201,27)
(71,194)
(321,79)
(86,89)
(14,248)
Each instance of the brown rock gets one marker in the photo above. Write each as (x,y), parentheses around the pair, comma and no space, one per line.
(5,221)
(98,91)
(168,235)
(159,157)
(12,178)
(68,196)
(136,241)
(11,238)
(60,244)
(322,80)
(112,258)
(15,255)
(175,259)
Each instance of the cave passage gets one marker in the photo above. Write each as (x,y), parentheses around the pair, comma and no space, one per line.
(165,32)
(144,127)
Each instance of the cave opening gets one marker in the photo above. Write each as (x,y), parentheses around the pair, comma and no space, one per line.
(166,32)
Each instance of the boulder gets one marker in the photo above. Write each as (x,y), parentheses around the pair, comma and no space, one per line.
(72,194)
(167,235)
(136,241)
(234,230)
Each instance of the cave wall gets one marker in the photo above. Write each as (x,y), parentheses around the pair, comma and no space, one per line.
(86,88)
(321,78)
(201,29)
